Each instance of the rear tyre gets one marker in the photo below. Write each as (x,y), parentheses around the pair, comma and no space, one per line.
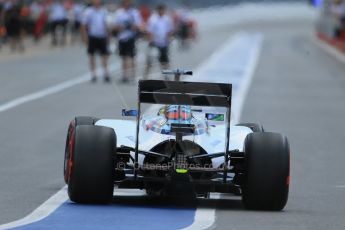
(267,172)
(91,178)
(82,120)
(256,128)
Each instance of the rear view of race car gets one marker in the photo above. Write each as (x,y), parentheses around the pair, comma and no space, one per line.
(181,144)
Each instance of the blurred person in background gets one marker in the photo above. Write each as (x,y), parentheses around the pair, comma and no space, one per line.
(1,9)
(160,30)
(2,27)
(14,25)
(27,25)
(77,15)
(39,18)
(95,35)
(58,20)
(184,25)
(338,10)
(127,26)
(181,24)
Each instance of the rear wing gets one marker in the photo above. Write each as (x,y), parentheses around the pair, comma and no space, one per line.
(185,93)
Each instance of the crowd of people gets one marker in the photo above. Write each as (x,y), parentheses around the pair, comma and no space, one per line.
(128,24)
(20,19)
(96,24)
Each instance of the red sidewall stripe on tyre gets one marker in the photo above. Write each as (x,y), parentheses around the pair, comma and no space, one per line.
(71,132)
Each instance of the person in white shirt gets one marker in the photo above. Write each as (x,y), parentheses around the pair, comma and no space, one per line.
(77,11)
(58,18)
(160,30)
(94,33)
(127,22)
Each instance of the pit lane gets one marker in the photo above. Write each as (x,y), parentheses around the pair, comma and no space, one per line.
(297,89)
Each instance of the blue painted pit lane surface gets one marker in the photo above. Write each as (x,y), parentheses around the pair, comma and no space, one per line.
(114,216)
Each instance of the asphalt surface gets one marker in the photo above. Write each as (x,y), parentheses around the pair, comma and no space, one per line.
(297,89)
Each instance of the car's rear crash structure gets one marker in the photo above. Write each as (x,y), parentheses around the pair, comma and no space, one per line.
(181,145)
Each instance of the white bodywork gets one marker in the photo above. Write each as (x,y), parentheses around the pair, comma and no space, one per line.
(212,142)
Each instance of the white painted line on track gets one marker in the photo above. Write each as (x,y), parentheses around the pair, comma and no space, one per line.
(246,82)
(49,91)
(61,87)
(340,186)
(210,72)
(54,202)
(42,211)
(43,93)
(204,217)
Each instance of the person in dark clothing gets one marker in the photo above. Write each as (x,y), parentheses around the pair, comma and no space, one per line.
(127,25)
(2,28)
(14,26)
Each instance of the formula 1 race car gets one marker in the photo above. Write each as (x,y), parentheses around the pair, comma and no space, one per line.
(181,144)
